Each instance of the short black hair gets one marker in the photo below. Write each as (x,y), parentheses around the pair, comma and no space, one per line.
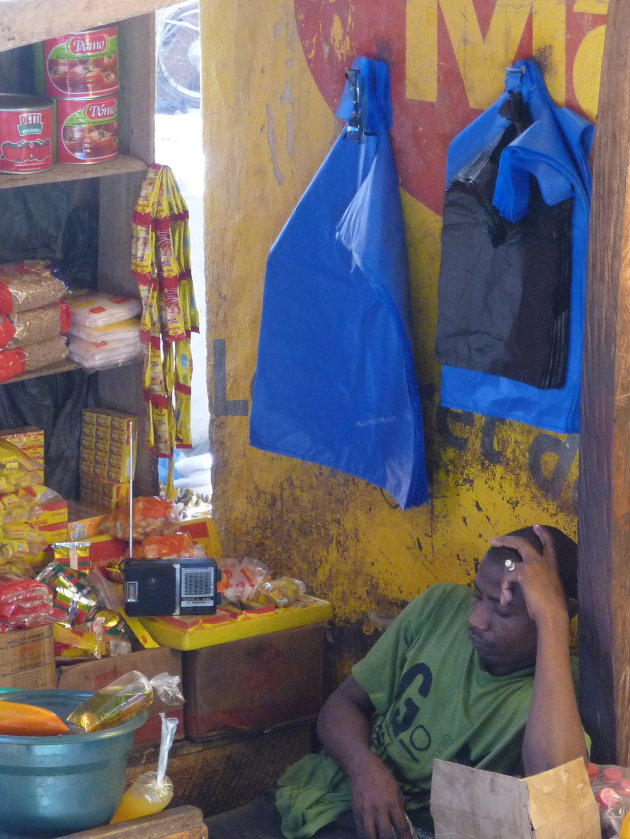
(566,551)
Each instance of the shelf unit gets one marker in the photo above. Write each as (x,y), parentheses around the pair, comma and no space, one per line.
(115,183)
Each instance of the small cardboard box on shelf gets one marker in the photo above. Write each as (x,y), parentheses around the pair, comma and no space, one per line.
(27,659)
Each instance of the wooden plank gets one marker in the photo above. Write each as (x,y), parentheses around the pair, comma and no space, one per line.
(59,172)
(29,21)
(179,823)
(136,106)
(604,499)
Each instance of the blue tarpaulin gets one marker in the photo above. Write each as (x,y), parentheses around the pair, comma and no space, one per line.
(554,149)
(336,380)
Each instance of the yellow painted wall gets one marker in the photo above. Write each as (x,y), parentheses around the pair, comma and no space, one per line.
(267,127)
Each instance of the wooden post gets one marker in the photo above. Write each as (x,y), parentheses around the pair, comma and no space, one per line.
(604,488)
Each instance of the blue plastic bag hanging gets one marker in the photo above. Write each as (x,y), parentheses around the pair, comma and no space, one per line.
(554,151)
(336,381)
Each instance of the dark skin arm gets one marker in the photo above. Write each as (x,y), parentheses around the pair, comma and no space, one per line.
(554,733)
(344,729)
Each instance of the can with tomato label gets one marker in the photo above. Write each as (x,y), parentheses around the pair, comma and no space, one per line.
(82,64)
(26,133)
(87,130)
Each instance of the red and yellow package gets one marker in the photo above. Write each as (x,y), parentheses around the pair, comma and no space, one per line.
(161,263)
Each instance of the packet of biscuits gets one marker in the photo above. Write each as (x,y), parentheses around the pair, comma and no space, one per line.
(152,516)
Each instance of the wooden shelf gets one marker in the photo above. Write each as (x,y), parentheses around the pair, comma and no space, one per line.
(28,21)
(64,366)
(121,165)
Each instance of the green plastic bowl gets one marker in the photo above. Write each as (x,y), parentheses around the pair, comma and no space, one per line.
(50,786)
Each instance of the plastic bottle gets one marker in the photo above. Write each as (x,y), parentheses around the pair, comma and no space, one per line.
(152,791)
(625,827)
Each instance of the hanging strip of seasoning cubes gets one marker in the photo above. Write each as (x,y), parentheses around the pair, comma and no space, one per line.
(161,264)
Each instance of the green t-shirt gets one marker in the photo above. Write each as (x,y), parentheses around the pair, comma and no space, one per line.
(434,699)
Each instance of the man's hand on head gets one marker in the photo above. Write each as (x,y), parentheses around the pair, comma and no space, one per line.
(537,576)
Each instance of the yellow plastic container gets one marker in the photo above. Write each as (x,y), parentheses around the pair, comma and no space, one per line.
(229,624)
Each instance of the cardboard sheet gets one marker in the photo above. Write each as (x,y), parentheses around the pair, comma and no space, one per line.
(475,804)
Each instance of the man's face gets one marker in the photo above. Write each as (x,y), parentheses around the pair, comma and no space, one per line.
(504,636)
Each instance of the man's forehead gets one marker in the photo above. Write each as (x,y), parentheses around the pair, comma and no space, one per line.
(488,580)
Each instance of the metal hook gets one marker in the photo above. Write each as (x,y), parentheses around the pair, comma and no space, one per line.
(355,128)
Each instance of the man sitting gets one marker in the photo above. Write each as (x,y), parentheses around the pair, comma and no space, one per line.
(481,677)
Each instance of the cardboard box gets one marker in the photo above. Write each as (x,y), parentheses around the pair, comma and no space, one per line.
(101,493)
(94,675)
(476,804)
(84,521)
(27,659)
(254,683)
(106,437)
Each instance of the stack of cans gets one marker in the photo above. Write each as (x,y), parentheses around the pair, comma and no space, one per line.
(81,75)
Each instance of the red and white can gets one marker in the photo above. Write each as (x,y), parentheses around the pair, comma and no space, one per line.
(27,130)
(87,130)
(82,64)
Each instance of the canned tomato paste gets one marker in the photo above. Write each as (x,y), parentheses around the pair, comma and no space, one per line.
(26,133)
(87,130)
(82,64)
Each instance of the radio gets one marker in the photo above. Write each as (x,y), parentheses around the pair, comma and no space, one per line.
(186,586)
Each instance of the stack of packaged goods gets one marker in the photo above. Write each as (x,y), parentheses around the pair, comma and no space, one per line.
(24,602)
(80,72)
(44,578)
(105,330)
(32,516)
(33,318)
(26,507)
(106,468)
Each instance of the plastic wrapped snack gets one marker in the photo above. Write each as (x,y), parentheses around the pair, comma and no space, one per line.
(96,355)
(93,309)
(24,602)
(123,330)
(281,592)
(123,698)
(171,546)
(151,516)
(241,579)
(611,788)
(152,791)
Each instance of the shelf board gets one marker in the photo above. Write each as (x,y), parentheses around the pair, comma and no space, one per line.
(121,165)
(29,21)
(64,366)
(61,367)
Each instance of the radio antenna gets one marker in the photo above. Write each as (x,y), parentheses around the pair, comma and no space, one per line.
(131,476)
